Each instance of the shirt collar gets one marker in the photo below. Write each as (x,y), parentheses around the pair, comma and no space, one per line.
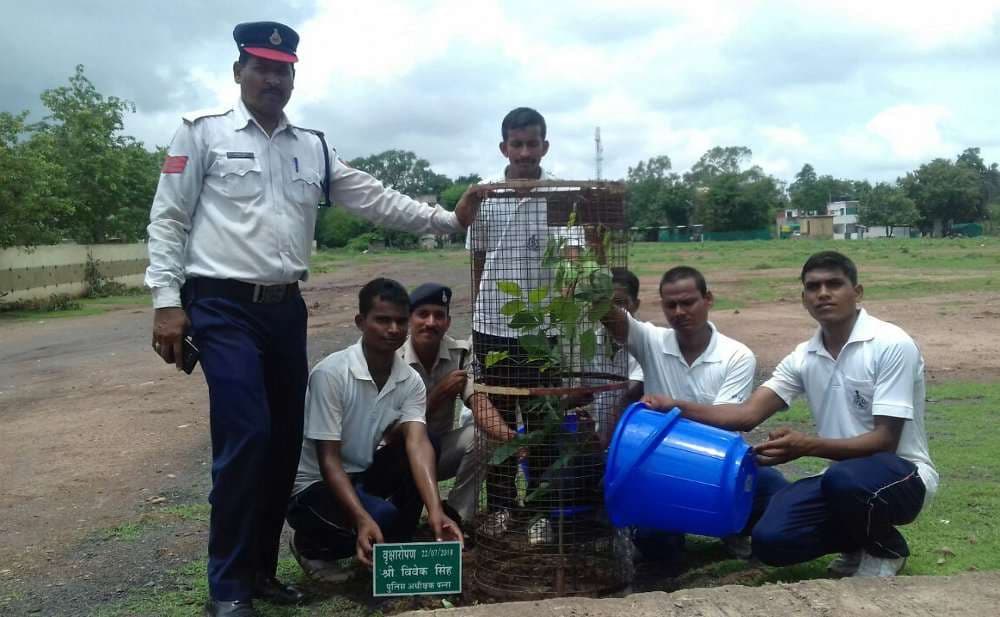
(545,175)
(410,354)
(711,353)
(864,330)
(359,366)
(244,118)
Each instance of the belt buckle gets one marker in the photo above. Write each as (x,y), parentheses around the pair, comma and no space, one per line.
(268,294)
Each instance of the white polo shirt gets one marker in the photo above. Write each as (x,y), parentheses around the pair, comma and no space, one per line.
(343,404)
(879,372)
(723,373)
(513,232)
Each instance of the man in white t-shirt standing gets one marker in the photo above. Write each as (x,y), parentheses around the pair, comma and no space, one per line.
(691,360)
(864,381)
(367,467)
(507,242)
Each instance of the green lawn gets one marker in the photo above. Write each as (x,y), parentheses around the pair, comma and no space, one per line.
(78,307)
(958,532)
(889,269)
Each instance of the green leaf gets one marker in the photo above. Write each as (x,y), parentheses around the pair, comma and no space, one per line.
(508,448)
(588,345)
(525,320)
(536,345)
(445,603)
(511,288)
(494,357)
(599,309)
(564,310)
(511,308)
(535,296)
(602,283)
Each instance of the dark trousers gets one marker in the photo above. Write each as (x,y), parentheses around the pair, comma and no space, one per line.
(254,360)
(658,545)
(513,371)
(387,492)
(855,504)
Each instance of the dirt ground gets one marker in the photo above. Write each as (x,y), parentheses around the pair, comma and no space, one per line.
(97,430)
(967,595)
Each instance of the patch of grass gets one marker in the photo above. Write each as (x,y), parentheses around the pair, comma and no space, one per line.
(328,260)
(125,532)
(970,254)
(57,307)
(189,512)
(188,590)
(959,530)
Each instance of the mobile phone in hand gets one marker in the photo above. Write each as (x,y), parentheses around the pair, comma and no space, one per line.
(189,354)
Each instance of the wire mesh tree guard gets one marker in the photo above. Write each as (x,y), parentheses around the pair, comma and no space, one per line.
(542,257)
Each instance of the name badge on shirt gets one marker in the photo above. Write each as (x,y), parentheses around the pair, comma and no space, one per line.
(239,155)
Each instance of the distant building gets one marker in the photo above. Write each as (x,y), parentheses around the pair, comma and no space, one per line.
(816,226)
(845,219)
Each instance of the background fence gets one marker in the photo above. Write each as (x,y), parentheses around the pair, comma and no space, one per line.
(62,268)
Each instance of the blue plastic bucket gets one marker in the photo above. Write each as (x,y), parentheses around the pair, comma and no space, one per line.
(670,473)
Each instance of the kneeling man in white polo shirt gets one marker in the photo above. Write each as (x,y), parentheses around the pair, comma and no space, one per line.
(864,381)
(691,360)
(367,467)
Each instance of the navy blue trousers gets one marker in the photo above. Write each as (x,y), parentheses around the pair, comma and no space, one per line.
(387,492)
(255,363)
(855,504)
(667,547)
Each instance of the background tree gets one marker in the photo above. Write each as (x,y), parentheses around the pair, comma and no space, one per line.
(404,171)
(656,196)
(449,197)
(888,206)
(730,194)
(110,178)
(717,162)
(805,193)
(33,207)
(945,192)
(739,201)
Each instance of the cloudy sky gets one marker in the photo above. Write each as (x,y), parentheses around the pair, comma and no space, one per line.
(858,88)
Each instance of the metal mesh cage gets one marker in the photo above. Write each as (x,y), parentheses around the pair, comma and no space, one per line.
(549,381)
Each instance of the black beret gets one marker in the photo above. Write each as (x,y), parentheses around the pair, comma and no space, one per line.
(430,293)
(267,39)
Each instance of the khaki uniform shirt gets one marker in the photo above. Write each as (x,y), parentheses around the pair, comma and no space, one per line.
(452,355)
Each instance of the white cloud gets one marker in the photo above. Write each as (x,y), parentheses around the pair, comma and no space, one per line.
(856,88)
(912,131)
(785,136)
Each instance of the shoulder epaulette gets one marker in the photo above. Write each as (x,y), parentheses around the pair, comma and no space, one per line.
(192,116)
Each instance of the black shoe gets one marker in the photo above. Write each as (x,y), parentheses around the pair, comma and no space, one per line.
(237,608)
(274,591)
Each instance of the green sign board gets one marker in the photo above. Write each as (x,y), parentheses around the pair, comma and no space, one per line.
(417,568)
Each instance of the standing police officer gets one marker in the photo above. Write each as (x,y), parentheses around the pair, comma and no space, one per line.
(230,236)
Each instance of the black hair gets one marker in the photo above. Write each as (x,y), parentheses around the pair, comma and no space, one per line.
(685,272)
(623,277)
(385,289)
(831,260)
(521,118)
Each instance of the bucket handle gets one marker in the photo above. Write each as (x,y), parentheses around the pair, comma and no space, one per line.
(648,445)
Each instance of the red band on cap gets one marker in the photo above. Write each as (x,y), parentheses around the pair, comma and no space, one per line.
(271,54)
(174,165)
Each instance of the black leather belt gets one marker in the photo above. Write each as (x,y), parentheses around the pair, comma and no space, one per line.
(242,292)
